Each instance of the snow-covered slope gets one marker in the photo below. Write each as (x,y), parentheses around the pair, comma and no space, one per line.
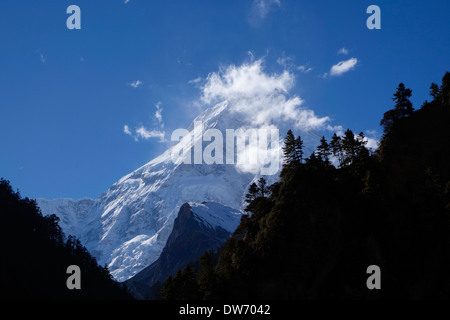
(213,215)
(71,212)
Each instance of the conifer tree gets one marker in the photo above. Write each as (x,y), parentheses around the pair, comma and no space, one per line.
(253,193)
(293,149)
(298,149)
(349,147)
(402,102)
(403,108)
(444,93)
(361,144)
(336,148)
(289,147)
(434,90)
(262,186)
(256,192)
(323,150)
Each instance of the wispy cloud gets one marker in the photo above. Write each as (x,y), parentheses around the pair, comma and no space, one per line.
(263,7)
(42,56)
(285,61)
(145,133)
(304,69)
(158,114)
(126,130)
(195,81)
(260,10)
(288,62)
(136,84)
(126,1)
(343,51)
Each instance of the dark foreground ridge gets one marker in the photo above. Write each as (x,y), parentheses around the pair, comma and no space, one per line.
(36,255)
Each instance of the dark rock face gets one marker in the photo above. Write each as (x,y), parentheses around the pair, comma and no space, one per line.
(188,241)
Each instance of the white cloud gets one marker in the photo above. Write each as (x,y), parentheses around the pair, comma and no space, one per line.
(343,51)
(148,134)
(246,81)
(372,143)
(251,55)
(126,130)
(304,69)
(259,97)
(126,1)
(285,61)
(343,67)
(158,114)
(339,130)
(195,81)
(144,133)
(372,139)
(136,84)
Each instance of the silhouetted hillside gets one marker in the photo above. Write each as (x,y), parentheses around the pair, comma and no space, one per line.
(35,256)
(314,233)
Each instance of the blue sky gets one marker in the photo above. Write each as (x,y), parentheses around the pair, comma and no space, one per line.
(67,95)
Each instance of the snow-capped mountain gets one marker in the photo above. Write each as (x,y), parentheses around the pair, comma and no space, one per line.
(128,226)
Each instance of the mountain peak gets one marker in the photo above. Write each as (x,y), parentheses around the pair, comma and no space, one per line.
(128,226)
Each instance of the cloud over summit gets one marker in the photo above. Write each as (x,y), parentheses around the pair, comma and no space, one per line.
(261,98)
